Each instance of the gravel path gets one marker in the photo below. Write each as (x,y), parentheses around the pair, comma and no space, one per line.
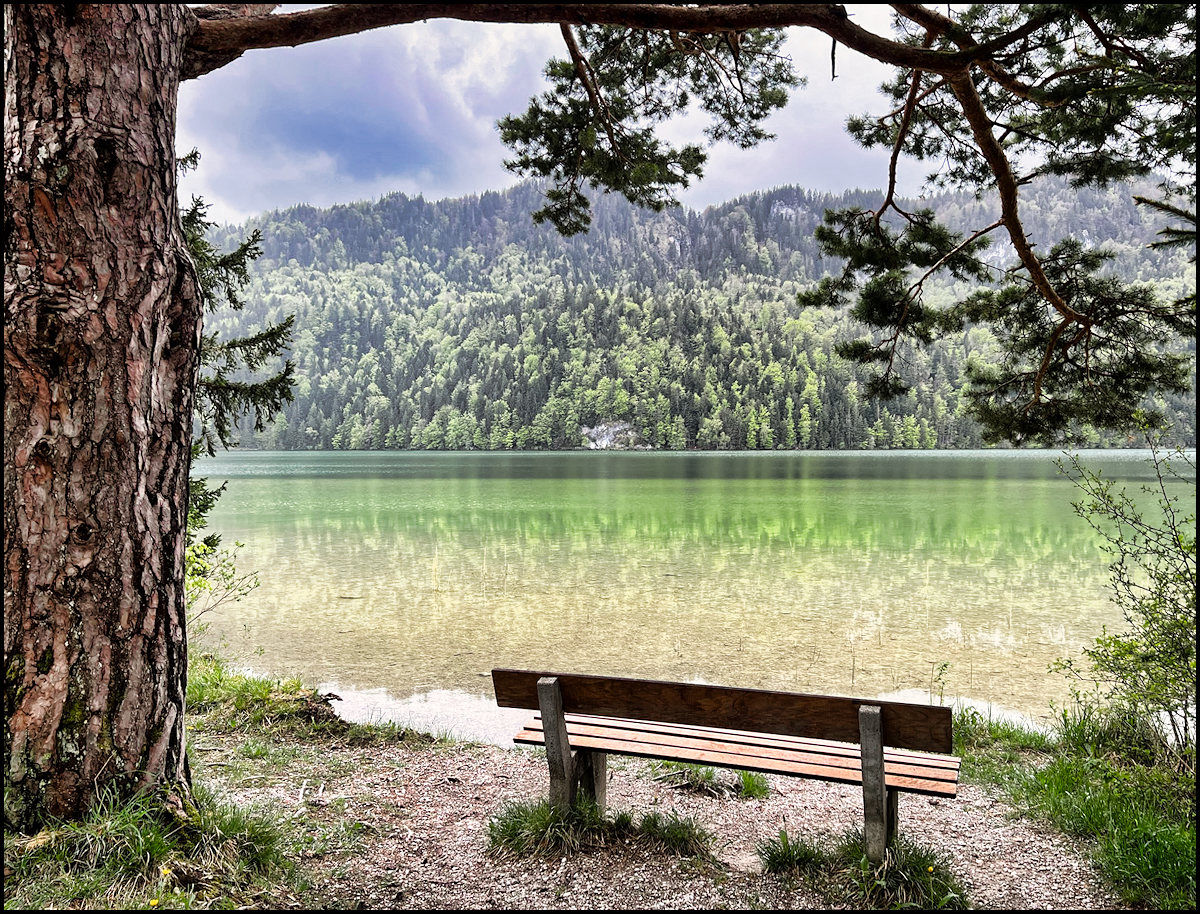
(424,815)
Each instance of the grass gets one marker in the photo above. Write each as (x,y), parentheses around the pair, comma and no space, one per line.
(703,779)
(694,778)
(785,854)
(911,875)
(139,854)
(751,785)
(227,701)
(537,828)
(1097,776)
(1143,845)
(992,749)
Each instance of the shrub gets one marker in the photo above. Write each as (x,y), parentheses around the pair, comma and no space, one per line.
(1147,672)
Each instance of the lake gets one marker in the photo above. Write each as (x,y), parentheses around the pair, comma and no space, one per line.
(399,579)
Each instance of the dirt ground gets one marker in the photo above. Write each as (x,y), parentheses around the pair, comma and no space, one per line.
(390,826)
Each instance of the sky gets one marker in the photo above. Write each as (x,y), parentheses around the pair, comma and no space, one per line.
(413,108)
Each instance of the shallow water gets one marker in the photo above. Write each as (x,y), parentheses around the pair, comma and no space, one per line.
(400,579)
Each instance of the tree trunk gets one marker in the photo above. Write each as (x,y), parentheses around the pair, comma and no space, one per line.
(101,334)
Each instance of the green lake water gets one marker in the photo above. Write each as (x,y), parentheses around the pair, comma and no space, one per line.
(399,579)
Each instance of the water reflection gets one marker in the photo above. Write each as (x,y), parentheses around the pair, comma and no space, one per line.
(832,573)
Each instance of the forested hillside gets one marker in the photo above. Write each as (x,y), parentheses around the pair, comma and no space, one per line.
(461,324)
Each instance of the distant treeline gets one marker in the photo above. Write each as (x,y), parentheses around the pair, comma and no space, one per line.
(461,324)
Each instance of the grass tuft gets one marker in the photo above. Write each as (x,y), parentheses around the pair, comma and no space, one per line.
(911,875)
(137,853)
(686,776)
(233,702)
(1113,731)
(703,779)
(751,785)
(785,854)
(673,833)
(538,828)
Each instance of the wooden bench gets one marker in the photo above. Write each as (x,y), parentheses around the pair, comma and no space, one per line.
(886,746)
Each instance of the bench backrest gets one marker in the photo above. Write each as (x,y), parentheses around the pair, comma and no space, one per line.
(923,728)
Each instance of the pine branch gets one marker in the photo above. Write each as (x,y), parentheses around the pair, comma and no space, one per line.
(217,42)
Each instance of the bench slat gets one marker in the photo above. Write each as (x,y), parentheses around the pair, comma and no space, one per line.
(725,759)
(745,737)
(669,743)
(923,728)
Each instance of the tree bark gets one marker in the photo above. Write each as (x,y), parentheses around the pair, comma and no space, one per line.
(101,335)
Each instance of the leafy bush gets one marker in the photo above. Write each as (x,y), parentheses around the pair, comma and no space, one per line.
(1147,673)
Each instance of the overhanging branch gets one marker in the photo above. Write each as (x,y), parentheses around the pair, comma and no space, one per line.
(215,11)
(217,42)
(963,88)
(936,25)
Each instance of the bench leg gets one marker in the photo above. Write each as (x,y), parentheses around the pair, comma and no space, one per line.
(880,803)
(559,756)
(591,775)
(893,813)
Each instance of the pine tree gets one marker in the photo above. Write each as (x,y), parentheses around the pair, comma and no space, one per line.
(222,394)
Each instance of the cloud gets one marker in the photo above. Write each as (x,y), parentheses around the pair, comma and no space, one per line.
(410,108)
(812,148)
(413,108)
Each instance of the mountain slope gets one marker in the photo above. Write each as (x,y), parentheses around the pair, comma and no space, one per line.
(460,323)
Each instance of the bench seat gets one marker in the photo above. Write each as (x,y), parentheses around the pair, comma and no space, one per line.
(885,747)
(915,772)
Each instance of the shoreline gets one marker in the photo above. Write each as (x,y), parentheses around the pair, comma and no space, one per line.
(465,716)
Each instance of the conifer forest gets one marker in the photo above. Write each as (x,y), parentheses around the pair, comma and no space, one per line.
(460,324)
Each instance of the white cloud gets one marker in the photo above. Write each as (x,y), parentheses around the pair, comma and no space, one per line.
(413,108)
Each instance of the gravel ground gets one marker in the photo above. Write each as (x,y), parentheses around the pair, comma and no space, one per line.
(422,842)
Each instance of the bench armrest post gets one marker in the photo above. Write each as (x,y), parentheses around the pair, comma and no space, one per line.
(558,748)
(879,802)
